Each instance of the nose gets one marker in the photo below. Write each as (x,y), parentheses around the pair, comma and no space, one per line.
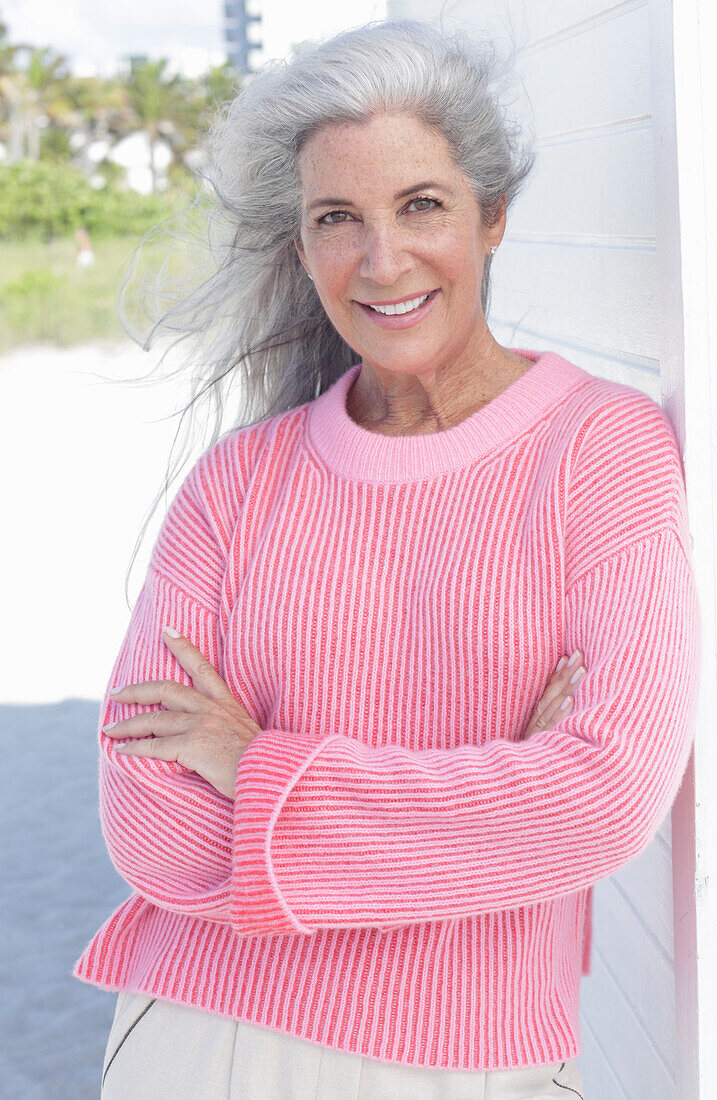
(384,259)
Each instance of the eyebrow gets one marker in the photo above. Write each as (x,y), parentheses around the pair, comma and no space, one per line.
(399,195)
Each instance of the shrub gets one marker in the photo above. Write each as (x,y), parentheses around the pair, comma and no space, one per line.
(30,298)
(48,199)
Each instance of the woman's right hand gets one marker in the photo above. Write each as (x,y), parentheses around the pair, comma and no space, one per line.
(557,700)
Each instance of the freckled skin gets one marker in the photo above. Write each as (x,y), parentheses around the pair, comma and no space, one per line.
(431,376)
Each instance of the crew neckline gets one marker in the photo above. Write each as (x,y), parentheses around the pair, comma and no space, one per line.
(354,451)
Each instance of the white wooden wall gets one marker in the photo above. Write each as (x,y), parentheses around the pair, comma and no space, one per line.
(579,272)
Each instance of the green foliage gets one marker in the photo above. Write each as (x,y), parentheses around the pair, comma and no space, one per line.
(45,296)
(112,173)
(30,298)
(48,199)
(181,182)
(55,144)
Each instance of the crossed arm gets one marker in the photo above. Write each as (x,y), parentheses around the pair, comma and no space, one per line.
(326,832)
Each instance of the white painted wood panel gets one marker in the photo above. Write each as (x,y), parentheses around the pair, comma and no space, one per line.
(635,883)
(614,1035)
(595,77)
(596,191)
(685,91)
(535,23)
(529,22)
(636,963)
(602,298)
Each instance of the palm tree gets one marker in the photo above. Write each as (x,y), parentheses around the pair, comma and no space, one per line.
(100,105)
(161,105)
(215,87)
(219,83)
(97,109)
(11,97)
(42,88)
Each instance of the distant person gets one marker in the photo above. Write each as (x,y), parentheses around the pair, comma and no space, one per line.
(85,254)
(435,646)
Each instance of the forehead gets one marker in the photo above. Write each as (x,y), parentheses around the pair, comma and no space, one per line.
(384,149)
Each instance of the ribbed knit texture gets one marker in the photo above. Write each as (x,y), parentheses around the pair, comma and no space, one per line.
(403,875)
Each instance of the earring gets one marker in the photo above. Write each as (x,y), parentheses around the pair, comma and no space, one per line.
(493,248)
(309,276)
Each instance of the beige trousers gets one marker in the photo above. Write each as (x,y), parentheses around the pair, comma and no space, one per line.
(158,1050)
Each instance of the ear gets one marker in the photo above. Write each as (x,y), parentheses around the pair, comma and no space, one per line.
(300,250)
(498,229)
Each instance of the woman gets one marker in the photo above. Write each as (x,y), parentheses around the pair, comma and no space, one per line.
(360,800)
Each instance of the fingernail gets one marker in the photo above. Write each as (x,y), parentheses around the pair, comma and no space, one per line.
(565,703)
(114,691)
(170,631)
(561,662)
(109,726)
(574,658)
(576,675)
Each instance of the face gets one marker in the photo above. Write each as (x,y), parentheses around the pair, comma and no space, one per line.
(387,216)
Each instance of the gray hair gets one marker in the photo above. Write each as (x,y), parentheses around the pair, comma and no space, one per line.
(242,296)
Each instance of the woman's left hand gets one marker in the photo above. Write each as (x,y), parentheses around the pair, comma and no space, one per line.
(203,728)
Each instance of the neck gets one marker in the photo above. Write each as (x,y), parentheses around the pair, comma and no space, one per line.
(397,403)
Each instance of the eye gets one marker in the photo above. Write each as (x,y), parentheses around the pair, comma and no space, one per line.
(322,219)
(425,198)
(420,198)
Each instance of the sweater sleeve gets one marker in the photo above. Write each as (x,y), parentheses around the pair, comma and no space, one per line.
(169,833)
(336,834)
(167,830)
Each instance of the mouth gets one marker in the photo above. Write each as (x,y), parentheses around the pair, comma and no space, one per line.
(402,314)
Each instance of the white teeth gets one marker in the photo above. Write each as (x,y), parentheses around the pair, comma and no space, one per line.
(402,307)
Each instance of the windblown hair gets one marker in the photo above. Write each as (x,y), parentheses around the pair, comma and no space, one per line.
(241,294)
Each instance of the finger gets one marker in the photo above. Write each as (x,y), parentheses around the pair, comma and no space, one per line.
(550,715)
(163,723)
(570,667)
(549,705)
(551,697)
(158,748)
(554,689)
(559,709)
(559,685)
(559,688)
(205,677)
(170,693)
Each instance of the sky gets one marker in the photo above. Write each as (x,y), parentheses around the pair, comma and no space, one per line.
(94,34)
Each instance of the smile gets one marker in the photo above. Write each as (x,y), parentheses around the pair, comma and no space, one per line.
(402,315)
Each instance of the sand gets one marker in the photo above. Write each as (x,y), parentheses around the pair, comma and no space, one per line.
(59,886)
(82,460)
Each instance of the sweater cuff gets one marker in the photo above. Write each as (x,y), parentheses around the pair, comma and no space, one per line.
(268,769)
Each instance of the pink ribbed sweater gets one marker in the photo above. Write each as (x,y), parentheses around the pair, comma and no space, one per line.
(401,874)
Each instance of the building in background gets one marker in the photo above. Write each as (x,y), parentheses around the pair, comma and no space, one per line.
(237,21)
